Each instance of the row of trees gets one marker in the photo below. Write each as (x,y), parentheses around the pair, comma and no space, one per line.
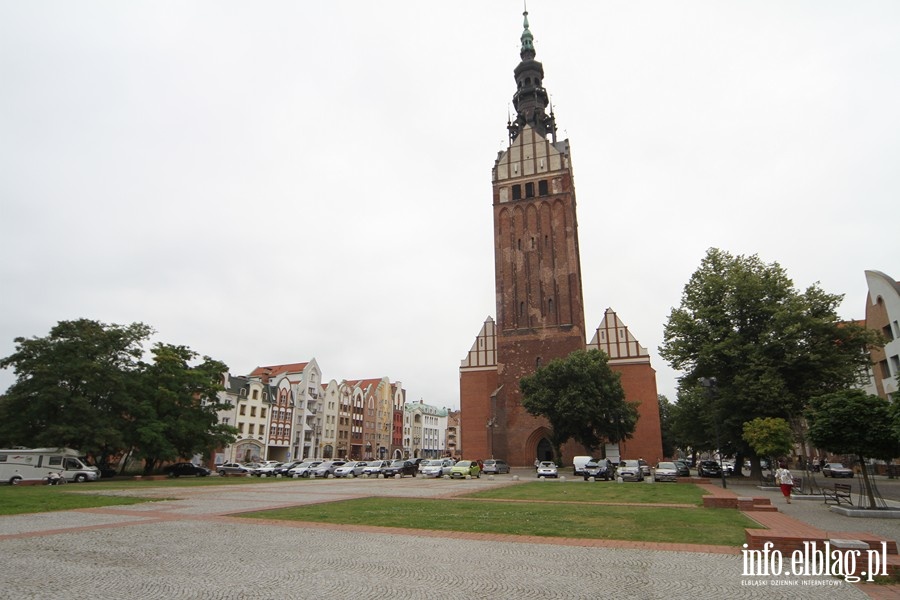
(772,352)
(86,385)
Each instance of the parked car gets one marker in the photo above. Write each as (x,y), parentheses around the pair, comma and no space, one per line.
(267,469)
(418,462)
(401,468)
(186,469)
(598,469)
(464,468)
(630,470)
(304,469)
(373,467)
(645,467)
(682,467)
(495,466)
(728,467)
(353,468)
(437,467)
(578,463)
(709,468)
(327,468)
(234,468)
(836,470)
(283,468)
(665,471)
(547,469)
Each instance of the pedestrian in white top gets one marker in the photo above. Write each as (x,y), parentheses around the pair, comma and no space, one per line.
(785,480)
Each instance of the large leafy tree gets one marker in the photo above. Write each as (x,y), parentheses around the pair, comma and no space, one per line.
(85,386)
(73,387)
(582,399)
(692,424)
(176,410)
(769,347)
(853,422)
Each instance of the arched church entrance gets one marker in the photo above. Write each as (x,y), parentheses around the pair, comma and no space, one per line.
(544,450)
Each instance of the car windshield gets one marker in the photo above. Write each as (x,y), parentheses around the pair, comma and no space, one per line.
(835,466)
(548,465)
(464,463)
(398,463)
(665,465)
(630,463)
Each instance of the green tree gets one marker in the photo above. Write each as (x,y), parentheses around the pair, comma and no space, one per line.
(73,387)
(176,413)
(85,386)
(853,422)
(582,399)
(666,416)
(770,347)
(692,424)
(769,436)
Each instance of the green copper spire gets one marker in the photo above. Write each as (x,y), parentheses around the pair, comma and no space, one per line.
(527,38)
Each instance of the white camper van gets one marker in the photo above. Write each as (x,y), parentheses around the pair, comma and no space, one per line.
(34,464)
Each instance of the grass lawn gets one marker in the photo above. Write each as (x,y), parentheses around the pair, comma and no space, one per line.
(20,499)
(652,524)
(17,500)
(601,491)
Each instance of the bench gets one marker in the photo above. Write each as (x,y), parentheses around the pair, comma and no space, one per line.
(841,493)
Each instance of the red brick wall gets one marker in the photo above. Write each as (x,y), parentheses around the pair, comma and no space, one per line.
(639,382)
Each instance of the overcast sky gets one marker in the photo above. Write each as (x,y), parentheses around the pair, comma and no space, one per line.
(273,182)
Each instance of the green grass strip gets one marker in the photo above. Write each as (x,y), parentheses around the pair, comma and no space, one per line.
(600,491)
(644,524)
(17,500)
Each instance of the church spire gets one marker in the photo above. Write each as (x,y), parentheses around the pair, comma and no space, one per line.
(531,99)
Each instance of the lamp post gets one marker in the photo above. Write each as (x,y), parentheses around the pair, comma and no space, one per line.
(491,423)
(710,384)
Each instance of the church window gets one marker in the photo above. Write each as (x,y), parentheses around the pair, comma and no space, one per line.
(546,241)
(521,309)
(550,306)
(543,188)
(519,243)
(532,243)
(517,192)
(537,362)
(529,190)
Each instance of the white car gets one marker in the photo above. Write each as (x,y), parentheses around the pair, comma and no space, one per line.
(437,467)
(373,467)
(665,471)
(547,469)
(267,469)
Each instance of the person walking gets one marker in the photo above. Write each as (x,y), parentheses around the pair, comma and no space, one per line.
(785,480)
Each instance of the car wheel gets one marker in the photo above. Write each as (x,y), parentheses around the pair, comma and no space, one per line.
(80,478)
(15,480)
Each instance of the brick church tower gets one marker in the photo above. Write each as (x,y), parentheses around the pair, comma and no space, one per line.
(540,308)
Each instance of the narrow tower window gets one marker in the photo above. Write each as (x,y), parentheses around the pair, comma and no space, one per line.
(529,190)
(543,188)
(517,192)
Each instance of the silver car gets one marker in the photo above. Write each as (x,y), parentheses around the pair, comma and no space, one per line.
(547,469)
(630,470)
(437,467)
(374,467)
(304,469)
(351,469)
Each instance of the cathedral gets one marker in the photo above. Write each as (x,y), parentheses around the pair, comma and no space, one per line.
(540,308)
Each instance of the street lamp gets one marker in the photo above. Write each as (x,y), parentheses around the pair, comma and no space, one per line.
(710,384)
(491,423)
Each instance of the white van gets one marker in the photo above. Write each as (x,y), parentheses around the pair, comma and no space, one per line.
(34,464)
(578,463)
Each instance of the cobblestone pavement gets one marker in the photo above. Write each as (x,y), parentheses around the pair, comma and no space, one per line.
(189,548)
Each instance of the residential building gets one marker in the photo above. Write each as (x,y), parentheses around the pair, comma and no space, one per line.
(425,430)
(883,315)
